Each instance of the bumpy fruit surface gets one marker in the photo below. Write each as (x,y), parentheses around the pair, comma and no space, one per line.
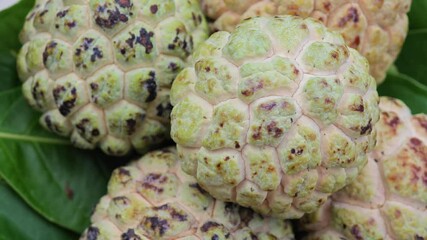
(376,28)
(154,199)
(388,200)
(101,70)
(275,116)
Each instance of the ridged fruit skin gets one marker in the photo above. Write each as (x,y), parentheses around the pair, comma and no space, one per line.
(388,200)
(153,198)
(275,116)
(376,28)
(101,70)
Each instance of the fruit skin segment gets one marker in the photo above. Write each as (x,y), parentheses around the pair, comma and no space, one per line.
(101,70)
(275,116)
(377,29)
(387,200)
(152,198)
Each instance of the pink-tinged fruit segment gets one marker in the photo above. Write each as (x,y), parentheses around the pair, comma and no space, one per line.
(388,199)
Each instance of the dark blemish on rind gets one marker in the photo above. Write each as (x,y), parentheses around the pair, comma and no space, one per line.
(95,132)
(130,235)
(121,200)
(327,6)
(358,108)
(144,39)
(94,86)
(86,43)
(197,186)
(153,177)
(268,106)
(416,141)
(96,54)
(209,225)
(70,24)
(352,15)
(367,128)
(236,144)
(356,42)
(81,125)
(252,89)
(48,50)
(151,86)
(123,171)
(124,3)
(257,133)
(131,126)
(114,15)
(215,237)
(173,66)
(272,129)
(164,111)
(153,9)
(171,46)
(62,14)
(130,40)
(418,237)
(355,231)
(157,225)
(92,233)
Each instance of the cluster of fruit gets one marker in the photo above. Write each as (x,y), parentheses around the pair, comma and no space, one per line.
(275,116)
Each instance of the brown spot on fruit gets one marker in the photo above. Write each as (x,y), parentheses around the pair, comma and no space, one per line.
(154,178)
(358,108)
(416,141)
(327,6)
(130,235)
(209,225)
(352,16)
(153,9)
(366,129)
(272,129)
(124,3)
(92,233)
(355,231)
(157,224)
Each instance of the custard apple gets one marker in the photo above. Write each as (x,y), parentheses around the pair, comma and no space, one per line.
(276,115)
(154,199)
(101,70)
(376,28)
(388,200)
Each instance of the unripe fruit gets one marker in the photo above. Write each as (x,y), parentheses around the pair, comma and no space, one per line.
(101,70)
(276,115)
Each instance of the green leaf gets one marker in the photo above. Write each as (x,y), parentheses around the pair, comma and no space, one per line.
(60,182)
(417,15)
(19,222)
(413,58)
(11,23)
(413,93)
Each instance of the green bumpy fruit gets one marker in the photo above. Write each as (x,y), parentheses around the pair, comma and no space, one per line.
(276,115)
(101,70)
(388,199)
(376,28)
(153,198)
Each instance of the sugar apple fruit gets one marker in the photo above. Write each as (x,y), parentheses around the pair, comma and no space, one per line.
(101,70)
(276,115)
(154,199)
(388,200)
(376,28)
